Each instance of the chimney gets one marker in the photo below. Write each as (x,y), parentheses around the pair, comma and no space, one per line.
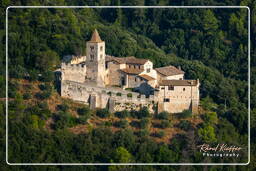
(179,67)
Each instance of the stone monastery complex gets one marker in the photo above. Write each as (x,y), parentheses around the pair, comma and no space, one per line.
(104,81)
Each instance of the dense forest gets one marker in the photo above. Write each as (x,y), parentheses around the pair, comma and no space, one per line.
(209,44)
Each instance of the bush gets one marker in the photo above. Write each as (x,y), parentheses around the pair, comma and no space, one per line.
(185,114)
(64,120)
(82,119)
(121,124)
(122,114)
(83,111)
(43,95)
(103,113)
(47,76)
(165,124)
(27,96)
(184,125)
(129,95)
(47,87)
(108,123)
(63,107)
(143,133)
(118,94)
(160,134)
(144,123)
(144,112)
(163,115)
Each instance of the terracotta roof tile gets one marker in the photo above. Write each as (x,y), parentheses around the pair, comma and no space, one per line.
(169,71)
(147,77)
(178,83)
(126,60)
(132,71)
(95,37)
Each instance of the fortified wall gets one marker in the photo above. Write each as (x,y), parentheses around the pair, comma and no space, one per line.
(107,97)
(74,72)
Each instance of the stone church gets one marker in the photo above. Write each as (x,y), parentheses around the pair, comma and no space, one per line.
(101,81)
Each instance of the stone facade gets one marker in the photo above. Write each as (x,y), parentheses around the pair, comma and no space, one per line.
(100,80)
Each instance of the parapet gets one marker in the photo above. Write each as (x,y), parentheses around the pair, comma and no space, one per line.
(77,67)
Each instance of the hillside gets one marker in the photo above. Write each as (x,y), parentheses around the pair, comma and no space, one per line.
(209,44)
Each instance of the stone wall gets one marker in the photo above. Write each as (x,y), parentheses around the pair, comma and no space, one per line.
(73,72)
(117,99)
(180,99)
(99,97)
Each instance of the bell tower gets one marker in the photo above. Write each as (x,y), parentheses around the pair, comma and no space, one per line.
(95,59)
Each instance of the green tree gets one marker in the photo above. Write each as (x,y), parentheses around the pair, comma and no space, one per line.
(207,134)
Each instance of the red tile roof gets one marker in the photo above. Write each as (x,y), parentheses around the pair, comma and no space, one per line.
(147,77)
(132,71)
(126,60)
(95,37)
(178,83)
(169,71)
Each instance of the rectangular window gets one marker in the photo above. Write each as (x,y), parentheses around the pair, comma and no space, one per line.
(92,47)
(166,100)
(184,89)
(101,48)
(170,87)
(148,70)
(162,88)
(92,57)
(101,56)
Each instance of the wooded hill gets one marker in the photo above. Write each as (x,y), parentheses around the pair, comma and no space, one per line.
(209,44)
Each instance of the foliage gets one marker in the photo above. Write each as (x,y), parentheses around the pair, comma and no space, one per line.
(121,124)
(210,117)
(159,134)
(207,134)
(122,114)
(103,113)
(185,114)
(163,115)
(185,125)
(165,124)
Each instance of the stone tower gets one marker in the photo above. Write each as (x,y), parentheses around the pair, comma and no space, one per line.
(95,59)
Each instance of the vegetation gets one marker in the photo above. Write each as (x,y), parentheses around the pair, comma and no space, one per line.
(209,44)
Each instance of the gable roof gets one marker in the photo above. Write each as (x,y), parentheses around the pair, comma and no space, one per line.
(178,83)
(126,60)
(95,37)
(134,71)
(169,71)
(147,77)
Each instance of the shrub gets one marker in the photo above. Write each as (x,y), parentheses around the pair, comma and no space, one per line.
(108,123)
(43,95)
(129,95)
(143,133)
(118,94)
(64,120)
(122,114)
(103,113)
(121,124)
(47,76)
(165,124)
(27,96)
(63,107)
(162,115)
(185,114)
(184,125)
(47,87)
(82,119)
(144,112)
(144,123)
(160,134)
(83,111)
